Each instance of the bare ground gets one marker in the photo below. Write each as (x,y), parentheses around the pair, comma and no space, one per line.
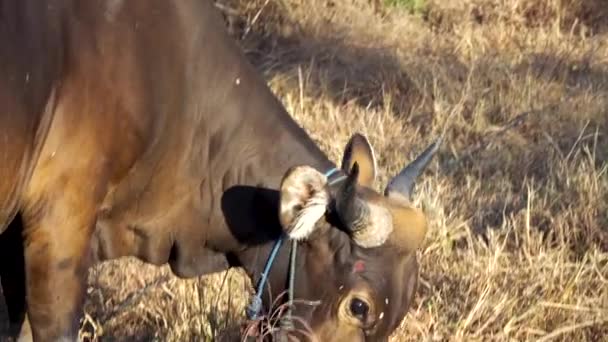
(518,200)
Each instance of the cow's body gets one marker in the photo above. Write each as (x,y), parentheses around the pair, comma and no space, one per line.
(138,128)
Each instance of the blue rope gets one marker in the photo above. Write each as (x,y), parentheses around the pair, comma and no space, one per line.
(254,308)
(331,172)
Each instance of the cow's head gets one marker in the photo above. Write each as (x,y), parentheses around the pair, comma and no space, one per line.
(359,245)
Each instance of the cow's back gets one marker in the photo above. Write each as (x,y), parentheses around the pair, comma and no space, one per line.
(30,59)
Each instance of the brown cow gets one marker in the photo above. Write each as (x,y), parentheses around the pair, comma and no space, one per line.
(138,128)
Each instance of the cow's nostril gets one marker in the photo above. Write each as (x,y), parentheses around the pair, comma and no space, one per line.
(359,309)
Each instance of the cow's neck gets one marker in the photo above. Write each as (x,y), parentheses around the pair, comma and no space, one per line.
(239,146)
(267,143)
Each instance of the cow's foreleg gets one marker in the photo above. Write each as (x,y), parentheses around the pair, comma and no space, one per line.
(59,216)
(58,230)
(57,258)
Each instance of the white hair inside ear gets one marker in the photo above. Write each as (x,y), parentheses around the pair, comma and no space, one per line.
(304,200)
(306,219)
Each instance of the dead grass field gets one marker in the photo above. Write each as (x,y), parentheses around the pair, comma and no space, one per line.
(518,200)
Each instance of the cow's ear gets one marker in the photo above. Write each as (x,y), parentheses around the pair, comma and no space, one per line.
(360,150)
(304,199)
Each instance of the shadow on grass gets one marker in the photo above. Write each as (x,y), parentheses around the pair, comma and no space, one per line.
(331,67)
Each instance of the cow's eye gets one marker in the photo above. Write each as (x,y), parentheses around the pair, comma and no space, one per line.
(359,309)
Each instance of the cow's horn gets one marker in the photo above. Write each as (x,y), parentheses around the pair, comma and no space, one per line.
(352,210)
(404,182)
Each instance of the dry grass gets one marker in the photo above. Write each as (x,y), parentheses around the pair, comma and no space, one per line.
(518,245)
